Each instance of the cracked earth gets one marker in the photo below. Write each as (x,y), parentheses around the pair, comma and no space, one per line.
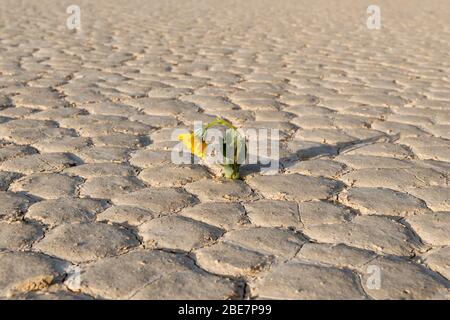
(86,181)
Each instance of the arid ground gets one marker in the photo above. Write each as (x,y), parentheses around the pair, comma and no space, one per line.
(91,205)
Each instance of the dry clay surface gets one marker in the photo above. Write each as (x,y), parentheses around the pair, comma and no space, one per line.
(92,207)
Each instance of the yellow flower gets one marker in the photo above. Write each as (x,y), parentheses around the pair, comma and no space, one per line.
(194,144)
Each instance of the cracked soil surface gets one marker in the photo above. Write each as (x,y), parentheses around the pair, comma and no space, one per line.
(86,181)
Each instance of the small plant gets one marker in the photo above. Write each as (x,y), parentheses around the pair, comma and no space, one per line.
(233,146)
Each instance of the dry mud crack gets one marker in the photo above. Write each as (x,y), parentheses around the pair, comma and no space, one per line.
(87,187)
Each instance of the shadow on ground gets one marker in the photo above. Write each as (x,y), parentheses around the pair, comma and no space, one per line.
(316,151)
